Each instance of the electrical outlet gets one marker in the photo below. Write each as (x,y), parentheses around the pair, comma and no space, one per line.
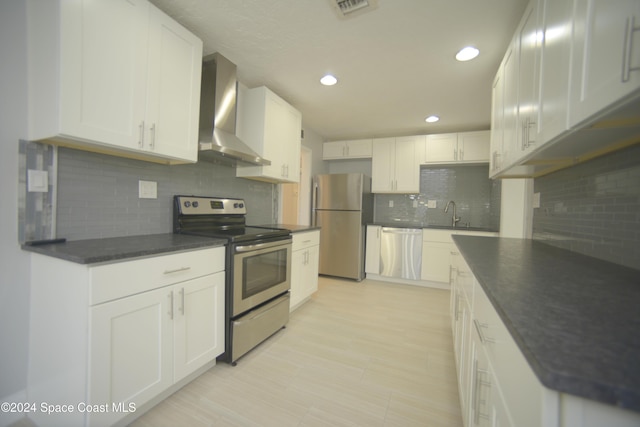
(37,181)
(415,203)
(432,204)
(390,203)
(147,189)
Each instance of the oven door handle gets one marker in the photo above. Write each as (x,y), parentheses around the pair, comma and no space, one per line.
(249,248)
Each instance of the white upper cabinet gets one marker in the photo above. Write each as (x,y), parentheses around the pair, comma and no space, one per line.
(606,55)
(114,76)
(441,147)
(555,69)
(271,127)
(464,147)
(352,149)
(395,165)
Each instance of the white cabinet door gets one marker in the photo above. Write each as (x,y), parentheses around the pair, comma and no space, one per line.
(383,165)
(497,121)
(131,357)
(297,273)
(474,146)
(103,59)
(606,55)
(173,93)
(510,150)
(441,148)
(198,323)
(436,261)
(555,69)
(372,255)
(528,45)
(407,165)
(310,283)
(333,150)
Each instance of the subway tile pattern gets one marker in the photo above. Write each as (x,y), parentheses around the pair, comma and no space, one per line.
(477,199)
(593,208)
(98,194)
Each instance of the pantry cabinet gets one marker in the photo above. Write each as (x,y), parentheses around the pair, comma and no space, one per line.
(119,77)
(123,332)
(395,165)
(272,128)
(305,257)
(353,149)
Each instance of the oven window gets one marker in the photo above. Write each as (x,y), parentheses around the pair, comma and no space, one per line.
(263,271)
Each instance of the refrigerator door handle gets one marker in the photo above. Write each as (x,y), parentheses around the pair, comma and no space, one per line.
(314,207)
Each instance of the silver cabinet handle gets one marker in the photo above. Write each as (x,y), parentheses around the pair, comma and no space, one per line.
(478,383)
(177,270)
(182,301)
(141,134)
(171,305)
(630,29)
(153,136)
(479,327)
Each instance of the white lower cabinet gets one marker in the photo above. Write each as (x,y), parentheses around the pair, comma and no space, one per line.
(372,252)
(304,266)
(497,386)
(114,348)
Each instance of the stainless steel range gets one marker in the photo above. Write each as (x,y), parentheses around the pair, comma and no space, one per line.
(258,268)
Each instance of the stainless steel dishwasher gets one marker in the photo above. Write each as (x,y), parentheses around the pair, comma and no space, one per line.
(401,252)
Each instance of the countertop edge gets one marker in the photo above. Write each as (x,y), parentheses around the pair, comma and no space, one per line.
(80,251)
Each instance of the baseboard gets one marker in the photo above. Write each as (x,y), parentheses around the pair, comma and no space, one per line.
(8,418)
(423,283)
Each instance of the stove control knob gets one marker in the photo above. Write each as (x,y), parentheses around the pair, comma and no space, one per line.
(187,204)
(194,204)
(241,205)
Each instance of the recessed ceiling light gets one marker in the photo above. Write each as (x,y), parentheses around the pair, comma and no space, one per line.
(432,119)
(467,53)
(328,80)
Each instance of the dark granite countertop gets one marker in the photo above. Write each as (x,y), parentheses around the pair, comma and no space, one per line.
(435,227)
(294,228)
(93,251)
(575,318)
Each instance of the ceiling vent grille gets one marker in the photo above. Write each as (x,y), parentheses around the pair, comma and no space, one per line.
(351,8)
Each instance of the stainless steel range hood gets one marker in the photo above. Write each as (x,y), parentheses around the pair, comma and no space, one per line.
(218,140)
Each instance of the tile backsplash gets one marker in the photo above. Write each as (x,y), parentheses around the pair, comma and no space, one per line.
(593,208)
(477,199)
(97,195)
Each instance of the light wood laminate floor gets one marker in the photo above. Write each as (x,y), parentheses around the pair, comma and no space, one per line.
(356,354)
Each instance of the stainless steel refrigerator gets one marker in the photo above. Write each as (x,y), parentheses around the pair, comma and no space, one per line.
(342,206)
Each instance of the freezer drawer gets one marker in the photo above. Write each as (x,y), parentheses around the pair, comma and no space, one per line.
(401,253)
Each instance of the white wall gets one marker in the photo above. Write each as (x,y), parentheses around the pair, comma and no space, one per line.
(14,263)
(516,211)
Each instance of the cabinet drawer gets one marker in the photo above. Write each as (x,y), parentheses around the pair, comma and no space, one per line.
(117,280)
(306,239)
(429,235)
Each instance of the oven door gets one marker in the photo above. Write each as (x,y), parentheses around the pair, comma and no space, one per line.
(261,271)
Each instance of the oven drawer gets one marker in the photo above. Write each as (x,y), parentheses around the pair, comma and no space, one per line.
(258,325)
(306,239)
(121,279)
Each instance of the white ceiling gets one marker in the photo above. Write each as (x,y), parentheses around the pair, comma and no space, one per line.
(395,64)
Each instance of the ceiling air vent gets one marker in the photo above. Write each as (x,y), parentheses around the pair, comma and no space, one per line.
(351,8)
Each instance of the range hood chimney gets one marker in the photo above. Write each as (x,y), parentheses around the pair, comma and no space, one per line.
(218,93)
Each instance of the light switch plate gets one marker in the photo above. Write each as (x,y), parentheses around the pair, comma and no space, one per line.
(432,204)
(37,181)
(415,203)
(390,203)
(147,189)
(536,200)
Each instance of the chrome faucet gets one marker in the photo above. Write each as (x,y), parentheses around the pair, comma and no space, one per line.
(454,219)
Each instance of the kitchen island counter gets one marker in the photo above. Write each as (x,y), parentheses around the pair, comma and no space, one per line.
(575,318)
(92,251)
